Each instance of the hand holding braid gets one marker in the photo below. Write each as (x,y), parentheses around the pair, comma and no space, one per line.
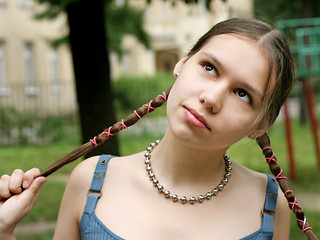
(114,129)
(264,143)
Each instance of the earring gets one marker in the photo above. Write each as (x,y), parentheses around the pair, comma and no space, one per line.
(176,75)
(251,136)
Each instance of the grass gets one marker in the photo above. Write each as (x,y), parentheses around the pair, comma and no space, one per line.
(245,152)
(26,157)
(43,236)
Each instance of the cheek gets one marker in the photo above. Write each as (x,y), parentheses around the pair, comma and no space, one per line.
(243,123)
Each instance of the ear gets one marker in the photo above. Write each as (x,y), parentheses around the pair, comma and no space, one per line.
(177,69)
(258,132)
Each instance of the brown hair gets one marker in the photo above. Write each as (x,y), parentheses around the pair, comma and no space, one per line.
(281,64)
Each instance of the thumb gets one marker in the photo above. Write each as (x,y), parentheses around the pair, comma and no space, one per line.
(30,195)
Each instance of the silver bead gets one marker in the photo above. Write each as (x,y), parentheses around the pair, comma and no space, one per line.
(147,154)
(152,145)
(228,162)
(174,197)
(227,175)
(147,161)
(225,181)
(226,157)
(215,191)
(151,175)
(160,187)
(149,149)
(228,168)
(183,199)
(157,141)
(201,198)
(208,195)
(220,186)
(155,181)
(167,193)
(148,168)
(192,200)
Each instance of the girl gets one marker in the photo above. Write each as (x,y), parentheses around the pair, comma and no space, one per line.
(230,85)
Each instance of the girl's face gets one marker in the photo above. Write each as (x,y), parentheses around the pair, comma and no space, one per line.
(217,97)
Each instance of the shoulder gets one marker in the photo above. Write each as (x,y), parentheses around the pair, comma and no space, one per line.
(83,172)
(82,175)
(249,178)
(255,183)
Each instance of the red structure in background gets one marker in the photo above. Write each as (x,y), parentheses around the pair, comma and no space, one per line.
(307,38)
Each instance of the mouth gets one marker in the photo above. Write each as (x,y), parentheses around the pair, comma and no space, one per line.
(195,119)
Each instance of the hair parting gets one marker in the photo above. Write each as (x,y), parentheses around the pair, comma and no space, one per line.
(264,143)
(109,132)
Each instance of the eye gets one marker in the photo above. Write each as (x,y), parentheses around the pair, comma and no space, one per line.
(208,67)
(243,95)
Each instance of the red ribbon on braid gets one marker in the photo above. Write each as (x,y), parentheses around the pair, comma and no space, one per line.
(305,225)
(163,95)
(148,105)
(272,158)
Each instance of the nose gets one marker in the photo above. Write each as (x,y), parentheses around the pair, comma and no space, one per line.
(213,97)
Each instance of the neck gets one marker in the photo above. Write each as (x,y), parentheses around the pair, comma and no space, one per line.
(190,169)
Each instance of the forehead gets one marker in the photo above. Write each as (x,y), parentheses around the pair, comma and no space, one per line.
(240,57)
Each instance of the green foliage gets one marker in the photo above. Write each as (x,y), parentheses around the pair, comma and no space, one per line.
(23,128)
(131,92)
(124,20)
(274,10)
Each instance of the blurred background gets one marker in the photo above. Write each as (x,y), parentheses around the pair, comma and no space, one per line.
(69,69)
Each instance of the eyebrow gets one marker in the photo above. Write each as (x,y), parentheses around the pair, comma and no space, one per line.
(244,84)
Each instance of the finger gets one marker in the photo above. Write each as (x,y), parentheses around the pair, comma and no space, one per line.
(15,182)
(29,176)
(17,207)
(30,195)
(4,187)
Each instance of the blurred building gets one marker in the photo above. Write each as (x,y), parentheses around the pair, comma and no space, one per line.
(36,75)
(33,73)
(173,28)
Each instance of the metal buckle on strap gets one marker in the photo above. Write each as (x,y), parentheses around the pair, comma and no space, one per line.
(263,211)
(99,193)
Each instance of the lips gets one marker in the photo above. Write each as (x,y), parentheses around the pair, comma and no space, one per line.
(195,119)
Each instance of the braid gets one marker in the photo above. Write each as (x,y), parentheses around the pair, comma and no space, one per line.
(264,143)
(112,130)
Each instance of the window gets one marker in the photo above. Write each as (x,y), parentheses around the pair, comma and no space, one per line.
(125,63)
(29,75)
(120,3)
(164,11)
(4,91)
(54,70)
(25,3)
(203,7)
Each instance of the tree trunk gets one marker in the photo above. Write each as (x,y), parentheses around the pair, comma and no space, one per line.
(92,72)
